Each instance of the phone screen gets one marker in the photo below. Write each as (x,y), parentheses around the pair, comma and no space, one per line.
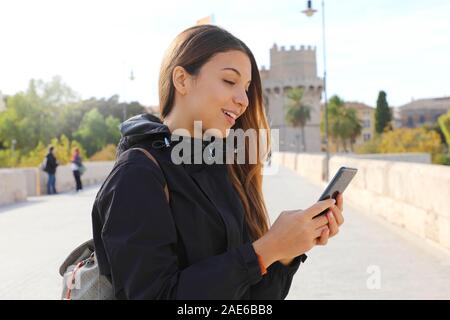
(338,184)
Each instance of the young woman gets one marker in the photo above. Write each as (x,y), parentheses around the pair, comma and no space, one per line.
(77,166)
(210,238)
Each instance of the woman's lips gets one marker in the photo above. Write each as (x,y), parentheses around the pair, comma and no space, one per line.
(230,116)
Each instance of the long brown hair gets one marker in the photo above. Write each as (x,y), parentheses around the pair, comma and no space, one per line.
(191,49)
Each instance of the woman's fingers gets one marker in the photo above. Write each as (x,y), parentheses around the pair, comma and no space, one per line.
(337,212)
(318,232)
(318,207)
(320,221)
(323,239)
(332,224)
(327,225)
(340,201)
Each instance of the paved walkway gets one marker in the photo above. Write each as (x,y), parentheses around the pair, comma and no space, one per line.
(368,259)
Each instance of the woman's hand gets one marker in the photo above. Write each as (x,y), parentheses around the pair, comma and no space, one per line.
(334,220)
(335,217)
(294,233)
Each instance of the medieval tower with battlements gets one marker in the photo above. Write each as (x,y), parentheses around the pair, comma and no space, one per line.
(293,68)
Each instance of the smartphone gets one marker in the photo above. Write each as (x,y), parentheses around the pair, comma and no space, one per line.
(337,185)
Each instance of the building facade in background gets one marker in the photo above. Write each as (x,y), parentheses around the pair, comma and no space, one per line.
(366,115)
(293,68)
(420,112)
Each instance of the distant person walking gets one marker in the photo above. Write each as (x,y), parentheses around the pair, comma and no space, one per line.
(50,167)
(77,168)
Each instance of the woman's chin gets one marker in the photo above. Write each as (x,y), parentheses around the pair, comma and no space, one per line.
(217,131)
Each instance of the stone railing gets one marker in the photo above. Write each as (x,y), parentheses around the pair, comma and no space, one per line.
(310,166)
(18,184)
(13,186)
(413,196)
(404,157)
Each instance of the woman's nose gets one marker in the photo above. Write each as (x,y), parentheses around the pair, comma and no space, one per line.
(241,99)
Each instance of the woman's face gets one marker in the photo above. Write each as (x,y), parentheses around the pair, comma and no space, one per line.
(217,96)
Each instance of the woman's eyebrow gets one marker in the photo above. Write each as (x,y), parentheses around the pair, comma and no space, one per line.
(235,70)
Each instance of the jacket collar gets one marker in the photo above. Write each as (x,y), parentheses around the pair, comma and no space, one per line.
(148,128)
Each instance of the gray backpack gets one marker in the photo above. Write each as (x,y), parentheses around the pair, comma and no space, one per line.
(81,276)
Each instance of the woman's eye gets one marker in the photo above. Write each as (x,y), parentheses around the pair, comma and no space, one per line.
(233,83)
(229,82)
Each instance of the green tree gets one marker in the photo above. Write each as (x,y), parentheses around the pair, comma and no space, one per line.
(92,132)
(27,121)
(343,124)
(113,130)
(333,106)
(370,146)
(352,127)
(33,116)
(113,107)
(411,140)
(62,151)
(46,110)
(403,140)
(70,118)
(72,114)
(444,124)
(297,113)
(383,114)
(9,158)
(95,132)
(435,127)
(34,157)
(55,92)
(108,153)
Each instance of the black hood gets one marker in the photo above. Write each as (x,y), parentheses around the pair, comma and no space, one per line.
(142,127)
(147,128)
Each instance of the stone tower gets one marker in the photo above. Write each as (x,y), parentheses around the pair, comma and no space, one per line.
(291,69)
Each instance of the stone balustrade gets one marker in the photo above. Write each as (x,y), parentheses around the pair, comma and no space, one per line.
(413,196)
(18,184)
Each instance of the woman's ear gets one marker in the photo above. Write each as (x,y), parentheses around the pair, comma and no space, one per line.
(180,79)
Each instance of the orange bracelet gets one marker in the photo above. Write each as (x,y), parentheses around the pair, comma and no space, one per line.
(261,265)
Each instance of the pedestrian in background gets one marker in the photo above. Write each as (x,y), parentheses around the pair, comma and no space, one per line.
(77,168)
(50,167)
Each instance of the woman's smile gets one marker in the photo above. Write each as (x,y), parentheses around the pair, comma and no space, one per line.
(230,116)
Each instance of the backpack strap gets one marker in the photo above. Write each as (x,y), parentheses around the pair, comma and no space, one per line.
(152,158)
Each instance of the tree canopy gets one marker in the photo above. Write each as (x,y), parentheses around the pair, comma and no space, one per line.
(46,111)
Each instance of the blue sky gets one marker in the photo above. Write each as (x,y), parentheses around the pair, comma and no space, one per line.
(402,47)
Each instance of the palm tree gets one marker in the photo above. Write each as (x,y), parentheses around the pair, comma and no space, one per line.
(355,124)
(350,126)
(335,106)
(297,113)
(344,125)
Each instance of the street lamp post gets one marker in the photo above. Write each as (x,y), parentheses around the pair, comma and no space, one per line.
(13,149)
(125,103)
(13,145)
(310,12)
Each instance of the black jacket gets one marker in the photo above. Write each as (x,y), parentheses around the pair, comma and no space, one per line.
(50,163)
(196,247)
